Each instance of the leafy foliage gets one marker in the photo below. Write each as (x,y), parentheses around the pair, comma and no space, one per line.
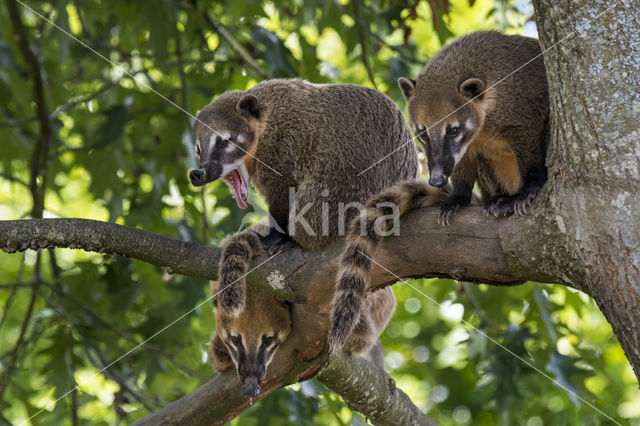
(120,153)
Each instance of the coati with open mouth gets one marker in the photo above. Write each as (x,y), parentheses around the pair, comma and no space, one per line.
(308,139)
(303,146)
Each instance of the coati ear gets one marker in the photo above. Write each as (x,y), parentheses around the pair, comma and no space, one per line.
(248,106)
(407,85)
(471,88)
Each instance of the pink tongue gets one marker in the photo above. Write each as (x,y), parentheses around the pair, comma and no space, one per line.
(236,185)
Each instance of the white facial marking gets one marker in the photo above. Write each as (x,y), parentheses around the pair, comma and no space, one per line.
(214,138)
(458,156)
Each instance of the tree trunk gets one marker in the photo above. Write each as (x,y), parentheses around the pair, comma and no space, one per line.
(586,229)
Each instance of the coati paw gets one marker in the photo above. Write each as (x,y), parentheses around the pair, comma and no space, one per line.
(499,206)
(275,242)
(521,207)
(448,209)
(506,205)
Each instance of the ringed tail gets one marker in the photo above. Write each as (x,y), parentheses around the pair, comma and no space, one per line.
(237,252)
(362,240)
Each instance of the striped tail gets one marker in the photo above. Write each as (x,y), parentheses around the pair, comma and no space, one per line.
(237,252)
(363,237)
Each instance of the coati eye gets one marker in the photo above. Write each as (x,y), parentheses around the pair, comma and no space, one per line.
(236,340)
(198,150)
(453,130)
(267,340)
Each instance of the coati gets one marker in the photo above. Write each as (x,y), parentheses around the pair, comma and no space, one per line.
(250,340)
(480,109)
(481,112)
(302,145)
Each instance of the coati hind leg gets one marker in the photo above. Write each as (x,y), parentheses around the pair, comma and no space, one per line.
(237,252)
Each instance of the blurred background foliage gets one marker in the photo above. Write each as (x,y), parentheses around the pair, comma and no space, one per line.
(119,152)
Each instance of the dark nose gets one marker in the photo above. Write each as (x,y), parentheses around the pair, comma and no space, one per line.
(198,177)
(437,181)
(251,387)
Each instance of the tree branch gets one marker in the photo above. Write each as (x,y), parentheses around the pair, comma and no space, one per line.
(370,391)
(39,155)
(469,250)
(187,258)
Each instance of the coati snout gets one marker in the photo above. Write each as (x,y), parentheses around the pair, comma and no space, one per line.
(223,140)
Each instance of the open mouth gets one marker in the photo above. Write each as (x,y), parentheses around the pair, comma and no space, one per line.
(238,181)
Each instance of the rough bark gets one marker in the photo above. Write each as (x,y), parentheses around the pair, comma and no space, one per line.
(586,229)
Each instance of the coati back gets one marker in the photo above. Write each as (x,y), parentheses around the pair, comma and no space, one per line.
(303,146)
(480,109)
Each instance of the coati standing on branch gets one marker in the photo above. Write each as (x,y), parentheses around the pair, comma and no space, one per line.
(480,109)
(302,145)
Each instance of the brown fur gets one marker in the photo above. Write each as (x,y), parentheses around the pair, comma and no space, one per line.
(350,315)
(318,137)
(483,84)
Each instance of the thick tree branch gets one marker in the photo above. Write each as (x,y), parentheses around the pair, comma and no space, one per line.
(370,391)
(470,250)
(187,258)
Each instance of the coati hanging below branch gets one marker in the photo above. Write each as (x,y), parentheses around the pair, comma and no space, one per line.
(480,109)
(250,340)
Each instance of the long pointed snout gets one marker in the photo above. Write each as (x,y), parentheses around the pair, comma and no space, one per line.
(437,180)
(251,386)
(208,172)
(198,177)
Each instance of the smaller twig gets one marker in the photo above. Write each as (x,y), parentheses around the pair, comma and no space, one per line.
(14,179)
(13,356)
(476,305)
(246,56)
(363,41)
(100,364)
(169,357)
(18,123)
(183,81)
(14,290)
